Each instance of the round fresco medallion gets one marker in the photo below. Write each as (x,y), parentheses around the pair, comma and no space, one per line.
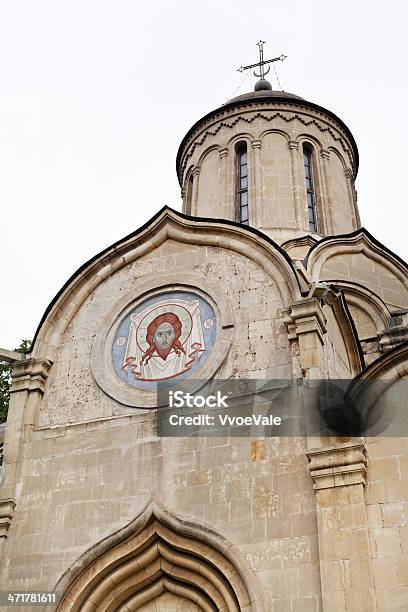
(166,337)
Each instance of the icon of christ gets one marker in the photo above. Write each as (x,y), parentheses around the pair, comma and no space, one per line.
(164,340)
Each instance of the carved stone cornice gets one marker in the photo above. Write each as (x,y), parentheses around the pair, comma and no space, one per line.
(256,144)
(293,144)
(306,240)
(325,154)
(338,466)
(305,316)
(6,514)
(327,294)
(348,173)
(396,333)
(306,326)
(391,337)
(289,324)
(223,152)
(30,375)
(216,122)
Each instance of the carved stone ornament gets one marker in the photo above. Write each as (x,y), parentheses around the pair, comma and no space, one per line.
(6,514)
(338,466)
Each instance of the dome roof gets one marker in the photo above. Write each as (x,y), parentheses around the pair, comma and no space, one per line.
(264,93)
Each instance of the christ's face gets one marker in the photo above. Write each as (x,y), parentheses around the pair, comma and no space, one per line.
(163,339)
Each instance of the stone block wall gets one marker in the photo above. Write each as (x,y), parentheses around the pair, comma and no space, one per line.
(319,521)
(81,483)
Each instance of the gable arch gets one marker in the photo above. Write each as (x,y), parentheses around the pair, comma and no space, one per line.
(155,553)
(167,224)
(359,257)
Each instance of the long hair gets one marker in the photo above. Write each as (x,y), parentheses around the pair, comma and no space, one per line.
(166,317)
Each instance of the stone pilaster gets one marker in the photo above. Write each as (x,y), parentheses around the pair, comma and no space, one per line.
(339,477)
(327,206)
(194,197)
(183,195)
(224,203)
(298,187)
(28,384)
(256,204)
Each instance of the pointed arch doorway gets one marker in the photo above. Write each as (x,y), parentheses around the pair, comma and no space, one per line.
(160,562)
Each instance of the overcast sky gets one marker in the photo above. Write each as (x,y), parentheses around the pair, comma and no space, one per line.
(95,97)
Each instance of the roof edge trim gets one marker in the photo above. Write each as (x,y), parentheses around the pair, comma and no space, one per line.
(161,213)
(364,232)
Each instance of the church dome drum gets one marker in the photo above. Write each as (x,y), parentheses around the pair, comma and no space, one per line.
(272,160)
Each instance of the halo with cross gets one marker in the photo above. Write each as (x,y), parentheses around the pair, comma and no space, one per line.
(156,310)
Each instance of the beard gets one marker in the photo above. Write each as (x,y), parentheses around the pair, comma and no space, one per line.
(163,352)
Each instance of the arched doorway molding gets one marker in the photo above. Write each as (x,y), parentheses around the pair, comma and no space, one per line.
(155,552)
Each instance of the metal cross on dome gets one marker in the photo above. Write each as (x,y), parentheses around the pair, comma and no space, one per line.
(262,62)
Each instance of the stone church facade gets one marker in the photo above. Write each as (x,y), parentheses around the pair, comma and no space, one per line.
(266,274)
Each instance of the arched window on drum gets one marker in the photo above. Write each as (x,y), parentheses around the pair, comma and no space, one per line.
(309,164)
(242,184)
